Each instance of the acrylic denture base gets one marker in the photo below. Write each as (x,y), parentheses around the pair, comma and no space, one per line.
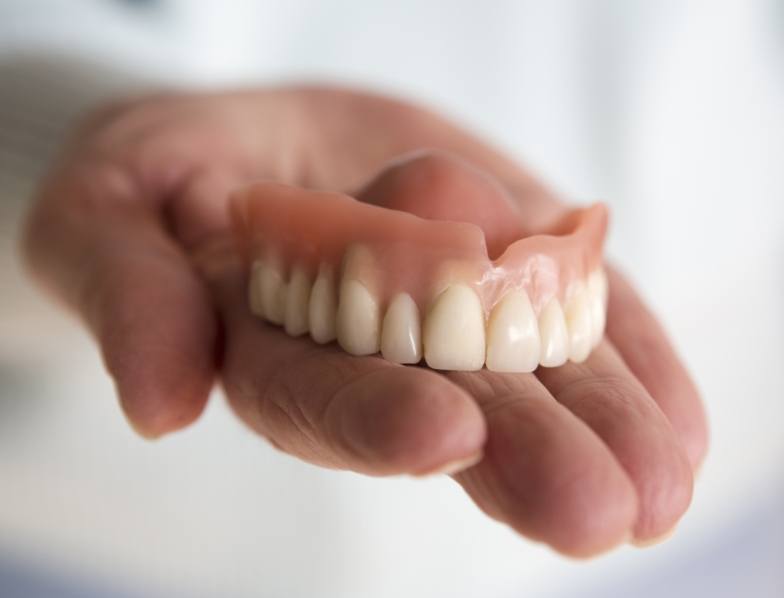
(382,280)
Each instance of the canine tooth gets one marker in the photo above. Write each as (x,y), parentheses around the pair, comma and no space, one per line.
(555,338)
(597,293)
(358,319)
(578,323)
(254,290)
(272,292)
(401,337)
(322,308)
(454,331)
(296,308)
(513,343)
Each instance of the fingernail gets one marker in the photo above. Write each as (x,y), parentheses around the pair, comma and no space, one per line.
(648,542)
(453,467)
(145,434)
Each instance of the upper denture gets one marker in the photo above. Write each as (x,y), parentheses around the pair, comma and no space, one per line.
(371,254)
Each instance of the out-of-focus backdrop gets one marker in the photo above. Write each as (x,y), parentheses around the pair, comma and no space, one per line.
(671,111)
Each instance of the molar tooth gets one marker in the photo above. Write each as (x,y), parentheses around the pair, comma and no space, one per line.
(454,331)
(322,308)
(296,307)
(358,319)
(401,339)
(597,293)
(272,292)
(513,343)
(578,323)
(254,290)
(555,338)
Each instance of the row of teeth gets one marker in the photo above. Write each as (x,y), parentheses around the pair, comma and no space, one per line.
(455,335)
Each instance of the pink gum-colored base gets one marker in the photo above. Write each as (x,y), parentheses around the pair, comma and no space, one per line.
(390,251)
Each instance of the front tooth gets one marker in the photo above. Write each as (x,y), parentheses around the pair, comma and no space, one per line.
(254,290)
(296,308)
(454,334)
(322,308)
(358,319)
(401,340)
(578,323)
(555,338)
(513,343)
(597,294)
(272,292)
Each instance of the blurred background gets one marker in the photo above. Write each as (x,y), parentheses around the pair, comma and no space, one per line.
(671,111)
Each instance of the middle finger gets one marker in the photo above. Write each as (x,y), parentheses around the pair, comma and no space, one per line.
(604,394)
(545,473)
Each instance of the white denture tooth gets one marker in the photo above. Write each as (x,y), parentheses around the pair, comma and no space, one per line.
(358,319)
(454,331)
(401,337)
(578,323)
(254,290)
(597,282)
(322,309)
(597,294)
(272,292)
(598,317)
(297,298)
(554,335)
(513,343)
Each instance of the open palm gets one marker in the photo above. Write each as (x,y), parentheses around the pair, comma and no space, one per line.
(131,230)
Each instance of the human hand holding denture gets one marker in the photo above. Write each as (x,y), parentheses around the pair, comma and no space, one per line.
(238,235)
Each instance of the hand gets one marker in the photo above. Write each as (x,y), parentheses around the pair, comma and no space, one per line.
(131,231)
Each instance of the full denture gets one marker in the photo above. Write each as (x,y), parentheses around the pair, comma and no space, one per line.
(381,279)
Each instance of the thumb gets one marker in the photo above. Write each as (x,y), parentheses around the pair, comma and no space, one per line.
(101,246)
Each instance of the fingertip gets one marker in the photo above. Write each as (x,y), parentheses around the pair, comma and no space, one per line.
(655,541)
(666,494)
(455,467)
(599,532)
(158,342)
(407,420)
(164,417)
(158,402)
(591,513)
